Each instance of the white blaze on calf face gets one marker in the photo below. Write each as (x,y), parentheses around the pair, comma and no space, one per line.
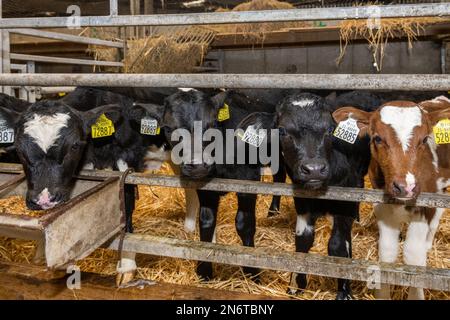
(410,183)
(403,121)
(45,130)
(303,103)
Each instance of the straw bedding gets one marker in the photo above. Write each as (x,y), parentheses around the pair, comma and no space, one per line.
(16,205)
(160,211)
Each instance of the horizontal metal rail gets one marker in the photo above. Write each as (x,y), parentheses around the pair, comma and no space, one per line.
(256,187)
(338,13)
(51,90)
(67,37)
(267,258)
(436,82)
(47,59)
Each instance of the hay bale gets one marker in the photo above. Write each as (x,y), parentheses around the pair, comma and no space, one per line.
(257,31)
(378,35)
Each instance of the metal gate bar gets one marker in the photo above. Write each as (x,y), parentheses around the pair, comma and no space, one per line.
(431,82)
(362,12)
(267,258)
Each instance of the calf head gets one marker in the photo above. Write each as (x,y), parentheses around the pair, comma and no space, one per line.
(404,158)
(50,140)
(187,115)
(305,128)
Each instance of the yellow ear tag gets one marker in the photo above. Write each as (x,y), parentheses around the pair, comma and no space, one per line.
(224,113)
(441,132)
(103,127)
(61,94)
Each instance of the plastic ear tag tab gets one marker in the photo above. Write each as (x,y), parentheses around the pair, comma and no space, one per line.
(149,126)
(441,132)
(6,132)
(253,136)
(224,113)
(347,130)
(103,127)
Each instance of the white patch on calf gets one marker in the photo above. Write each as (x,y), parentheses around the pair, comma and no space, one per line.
(45,130)
(433,147)
(187,89)
(403,121)
(155,157)
(442,184)
(88,166)
(303,226)
(127,263)
(43,200)
(410,183)
(441,99)
(303,103)
(121,165)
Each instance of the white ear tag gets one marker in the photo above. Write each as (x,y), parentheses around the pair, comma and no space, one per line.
(149,126)
(6,132)
(347,130)
(253,136)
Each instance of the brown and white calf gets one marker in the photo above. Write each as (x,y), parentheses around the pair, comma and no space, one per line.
(405,161)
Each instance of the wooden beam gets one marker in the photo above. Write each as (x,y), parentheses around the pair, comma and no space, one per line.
(267,258)
(26,282)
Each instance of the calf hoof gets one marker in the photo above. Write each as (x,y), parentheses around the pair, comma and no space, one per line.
(205,270)
(294,291)
(124,278)
(273,211)
(344,295)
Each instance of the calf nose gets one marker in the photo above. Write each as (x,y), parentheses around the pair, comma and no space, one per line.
(314,170)
(400,189)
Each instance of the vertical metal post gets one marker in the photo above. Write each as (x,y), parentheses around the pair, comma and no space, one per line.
(1,44)
(31,68)
(113,8)
(148,9)
(6,62)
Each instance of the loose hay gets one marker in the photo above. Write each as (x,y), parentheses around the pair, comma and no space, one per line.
(378,33)
(160,211)
(257,31)
(16,205)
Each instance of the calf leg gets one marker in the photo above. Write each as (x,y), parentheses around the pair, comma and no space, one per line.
(192,203)
(280,176)
(340,245)
(304,240)
(126,268)
(209,202)
(246,223)
(415,249)
(389,223)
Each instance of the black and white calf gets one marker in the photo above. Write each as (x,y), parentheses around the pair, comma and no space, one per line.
(190,108)
(315,159)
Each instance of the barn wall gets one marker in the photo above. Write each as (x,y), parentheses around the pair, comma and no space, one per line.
(425,57)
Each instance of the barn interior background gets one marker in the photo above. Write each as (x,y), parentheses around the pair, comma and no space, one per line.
(400,46)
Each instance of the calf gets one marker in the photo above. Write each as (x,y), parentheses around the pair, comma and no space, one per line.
(405,161)
(53,142)
(315,159)
(182,113)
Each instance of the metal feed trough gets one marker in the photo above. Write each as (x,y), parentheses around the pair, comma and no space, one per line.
(73,230)
(396,274)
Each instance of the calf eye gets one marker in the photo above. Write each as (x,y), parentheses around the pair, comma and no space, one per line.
(377,139)
(425,140)
(282,131)
(75,147)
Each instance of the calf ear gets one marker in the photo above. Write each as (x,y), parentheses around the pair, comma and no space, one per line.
(141,110)
(112,111)
(259,120)
(438,115)
(331,98)
(219,99)
(362,118)
(11,116)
